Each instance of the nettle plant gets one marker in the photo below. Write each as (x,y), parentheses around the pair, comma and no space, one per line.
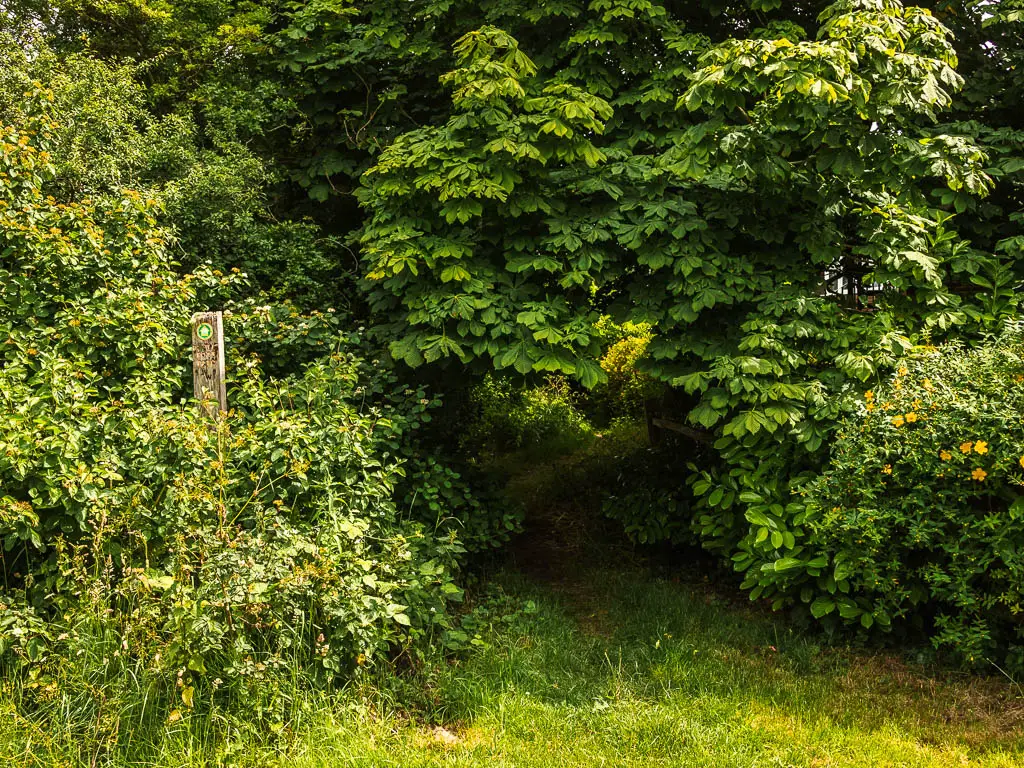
(919,512)
(226,550)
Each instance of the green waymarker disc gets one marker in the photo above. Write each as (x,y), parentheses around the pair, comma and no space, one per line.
(204,331)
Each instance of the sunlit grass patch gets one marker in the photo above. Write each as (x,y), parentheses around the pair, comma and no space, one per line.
(673,681)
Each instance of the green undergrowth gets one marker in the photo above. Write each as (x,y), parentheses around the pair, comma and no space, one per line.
(638,671)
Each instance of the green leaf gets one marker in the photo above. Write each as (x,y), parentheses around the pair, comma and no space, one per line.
(454,273)
(788,563)
(518,356)
(822,607)
(705,415)
(554,361)
(589,372)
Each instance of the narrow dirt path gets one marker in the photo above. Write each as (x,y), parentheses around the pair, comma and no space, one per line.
(565,539)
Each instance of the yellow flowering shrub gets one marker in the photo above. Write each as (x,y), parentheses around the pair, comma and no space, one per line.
(921,514)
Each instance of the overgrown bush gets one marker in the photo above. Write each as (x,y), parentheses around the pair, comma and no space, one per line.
(441,498)
(920,510)
(627,388)
(913,524)
(223,550)
(646,492)
(446,496)
(506,416)
(213,553)
(213,188)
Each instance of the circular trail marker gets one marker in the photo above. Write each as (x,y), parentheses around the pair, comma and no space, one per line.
(208,374)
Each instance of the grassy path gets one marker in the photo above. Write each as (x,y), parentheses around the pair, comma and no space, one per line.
(619,668)
(673,681)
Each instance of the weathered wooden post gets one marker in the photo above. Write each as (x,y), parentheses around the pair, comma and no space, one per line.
(208,362)
(650,409)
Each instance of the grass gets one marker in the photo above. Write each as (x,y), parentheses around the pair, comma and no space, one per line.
(659,677)
(612,665)
(622,670)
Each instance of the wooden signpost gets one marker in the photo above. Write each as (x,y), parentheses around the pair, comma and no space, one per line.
(208,362)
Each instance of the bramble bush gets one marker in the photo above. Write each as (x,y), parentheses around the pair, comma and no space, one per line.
(920,510)
(212,554)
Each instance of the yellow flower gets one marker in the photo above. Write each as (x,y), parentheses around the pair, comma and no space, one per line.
(966,447)
(887,469)
(869,395)
(946,455)
(902,370)
(979,474)
(927,384)
(1022,461)
(870,407)
(897,421)
(911,417)
(981,447)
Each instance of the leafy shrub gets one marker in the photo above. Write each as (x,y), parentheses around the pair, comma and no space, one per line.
(627,387)
(224,547)
(506,417)
(211,186)
(920,510)
(914,523)
(648,494)
(446,504)
(231,549)
(435,489)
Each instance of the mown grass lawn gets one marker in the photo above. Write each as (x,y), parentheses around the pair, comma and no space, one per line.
(615,669)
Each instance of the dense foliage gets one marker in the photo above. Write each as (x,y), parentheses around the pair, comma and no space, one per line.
(215,552)
(502,417)
(921,506)
(214,190)
(680,230)
(780,209)
(776,201)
